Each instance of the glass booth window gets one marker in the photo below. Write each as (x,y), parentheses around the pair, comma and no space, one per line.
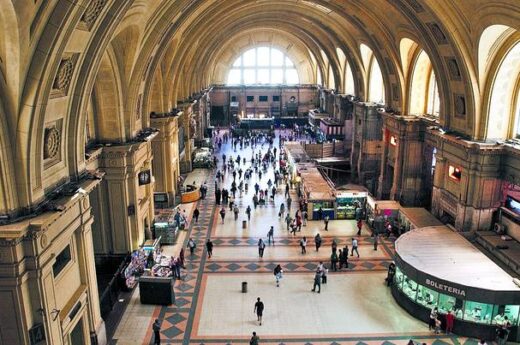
(500,313)
(323,204)
(409,288)
(450,303)
(478,312)
(427,297)
(399,277)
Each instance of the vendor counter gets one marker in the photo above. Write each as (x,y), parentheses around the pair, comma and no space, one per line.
(437,267)
(191,194)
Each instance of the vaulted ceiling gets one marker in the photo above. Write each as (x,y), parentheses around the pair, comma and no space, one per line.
(114,61)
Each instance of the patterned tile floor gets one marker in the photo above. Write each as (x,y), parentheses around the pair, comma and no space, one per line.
(184,322)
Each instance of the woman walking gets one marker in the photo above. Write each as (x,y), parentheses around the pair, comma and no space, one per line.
(278,272)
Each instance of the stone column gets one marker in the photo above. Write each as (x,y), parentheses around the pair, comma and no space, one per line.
(166,155)
(129,202)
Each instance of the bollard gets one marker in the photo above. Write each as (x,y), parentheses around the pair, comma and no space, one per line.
(244,287)
(244,224)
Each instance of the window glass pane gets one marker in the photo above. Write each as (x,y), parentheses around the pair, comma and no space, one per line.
(234,76)
(427,297)
(478,312)
(263,56)
(409,288)
(276,57)
(263,65)
(277,76)
(249,76)
(506,313)
(249,58)
(291,76)
(263,76)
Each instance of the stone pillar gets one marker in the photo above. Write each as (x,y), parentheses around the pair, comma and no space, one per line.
(166,155)
(129,202)
(47,274)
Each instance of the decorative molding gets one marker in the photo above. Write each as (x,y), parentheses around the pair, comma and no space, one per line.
(460,105)
(52,143)
(437,33)
(417,7)
(138,106)
(60,86)
(453,67)
(91,14)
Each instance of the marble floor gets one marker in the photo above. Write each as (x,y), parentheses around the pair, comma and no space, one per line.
(354,307)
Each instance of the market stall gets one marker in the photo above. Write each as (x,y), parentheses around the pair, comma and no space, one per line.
(378,211)
(350,204)
(318,193)
(415,218)
(457,278)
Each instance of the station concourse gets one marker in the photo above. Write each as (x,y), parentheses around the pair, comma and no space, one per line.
(397,130)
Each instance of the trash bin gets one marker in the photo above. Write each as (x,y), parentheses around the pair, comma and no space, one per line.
(244,224)
(244,287)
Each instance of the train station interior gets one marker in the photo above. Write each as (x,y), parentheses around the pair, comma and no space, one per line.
(259,171)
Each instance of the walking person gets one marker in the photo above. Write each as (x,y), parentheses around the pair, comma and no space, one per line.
(288,220)
(359,226)
(326,220)
(209,247)
(303,245)
(317,282)
(317,241)
(282,210)
(235,211)
(278,272)
(289,201)
(196,214)
(261,248)
(259,310)
(354,247)
(270,235)
(222,214)
(248,212)
(191,245)
(156,332)
(334,261)
(254,339)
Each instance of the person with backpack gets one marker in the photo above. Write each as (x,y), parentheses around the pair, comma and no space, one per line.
(192,245)
(261,248)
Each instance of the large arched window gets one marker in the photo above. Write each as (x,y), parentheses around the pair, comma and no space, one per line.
(424,93)
(499,72)
(349,81)
(502,106)
(376,85)
(263,65)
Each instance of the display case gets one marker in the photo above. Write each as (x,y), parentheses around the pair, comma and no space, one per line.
(326,206)
(348,202)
